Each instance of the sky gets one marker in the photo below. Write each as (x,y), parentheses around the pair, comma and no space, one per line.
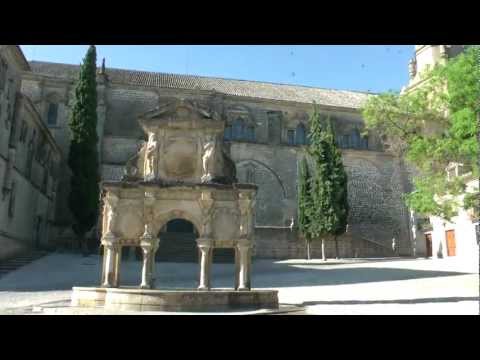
(374,68)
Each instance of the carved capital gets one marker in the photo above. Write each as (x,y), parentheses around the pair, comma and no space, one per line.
(111,244)
(204,243)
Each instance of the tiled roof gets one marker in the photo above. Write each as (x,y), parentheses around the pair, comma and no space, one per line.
(253,89)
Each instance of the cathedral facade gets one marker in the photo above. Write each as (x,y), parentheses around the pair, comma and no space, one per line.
(266,128)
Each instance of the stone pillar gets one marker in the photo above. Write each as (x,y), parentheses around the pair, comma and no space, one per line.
(147,268)
(237,269)
(205,262)
(152,264)
(110,265)
(118,261)
(243,253)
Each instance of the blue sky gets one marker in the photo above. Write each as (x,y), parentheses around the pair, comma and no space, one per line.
(375,68)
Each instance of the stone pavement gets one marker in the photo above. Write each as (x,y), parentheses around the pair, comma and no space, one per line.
(346,286)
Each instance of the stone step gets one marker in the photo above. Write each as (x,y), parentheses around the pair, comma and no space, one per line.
(21,260)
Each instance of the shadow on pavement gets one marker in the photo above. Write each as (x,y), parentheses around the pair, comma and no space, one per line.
(287,275)
(396,301)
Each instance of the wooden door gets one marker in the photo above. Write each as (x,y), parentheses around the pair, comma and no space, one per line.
(450,234)
(428,240)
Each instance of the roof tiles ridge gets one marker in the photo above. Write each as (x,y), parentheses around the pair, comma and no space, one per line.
(159,73)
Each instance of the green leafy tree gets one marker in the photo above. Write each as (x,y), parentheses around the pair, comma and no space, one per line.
(304,203)
(432,126)
(83,155)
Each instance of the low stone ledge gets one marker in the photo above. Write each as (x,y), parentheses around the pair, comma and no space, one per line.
(133,299)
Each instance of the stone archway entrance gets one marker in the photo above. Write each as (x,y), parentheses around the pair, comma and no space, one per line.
(178,242)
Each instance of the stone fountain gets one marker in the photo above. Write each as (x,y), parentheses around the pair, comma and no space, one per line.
(184,172)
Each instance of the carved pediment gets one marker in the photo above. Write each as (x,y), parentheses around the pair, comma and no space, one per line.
(180,113)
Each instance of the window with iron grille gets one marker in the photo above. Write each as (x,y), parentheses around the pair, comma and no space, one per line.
(52,114)
(3,74)
(227,133)
(23,132)
(291,137)
(250,134)
(300,135)
(11,203)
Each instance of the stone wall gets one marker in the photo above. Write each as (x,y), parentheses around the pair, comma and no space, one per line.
(29,160)
(376,181)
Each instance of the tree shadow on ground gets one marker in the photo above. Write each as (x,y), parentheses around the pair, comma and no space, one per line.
(265,274)
(287,275)
(346,261)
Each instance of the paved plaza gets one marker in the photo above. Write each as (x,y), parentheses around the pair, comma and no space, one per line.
(346,286)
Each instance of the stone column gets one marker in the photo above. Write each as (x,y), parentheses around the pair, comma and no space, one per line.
(118,261)
(147,275)
(205,262)
(109,279)
(237,268)
(243,252)
(152,264)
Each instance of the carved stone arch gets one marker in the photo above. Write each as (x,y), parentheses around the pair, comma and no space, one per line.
(271,194)
(162,219)
(269,169)
(239,109)
(54,97)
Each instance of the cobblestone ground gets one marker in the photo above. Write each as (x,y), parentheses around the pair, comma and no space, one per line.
(360,286)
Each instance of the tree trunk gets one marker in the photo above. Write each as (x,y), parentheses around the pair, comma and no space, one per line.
(307,243)
(336,248)
(324,258)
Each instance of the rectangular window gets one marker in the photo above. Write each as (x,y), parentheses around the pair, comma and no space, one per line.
(227,134)
(251,133)
(291,137)
(11,203)
(52,114)
(23,132)
(3,74)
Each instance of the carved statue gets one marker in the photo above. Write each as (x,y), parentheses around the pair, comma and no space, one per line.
(209,160)
(151,156)
(217,166)
(148,217)
(132,170)
(111,213)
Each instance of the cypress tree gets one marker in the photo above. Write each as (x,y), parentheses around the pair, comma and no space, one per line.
(322,212)
(304,202)
(340,187)
(83,155)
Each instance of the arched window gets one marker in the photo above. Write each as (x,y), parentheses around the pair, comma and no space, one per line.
(250,133)
(238,128)
(300,137)
(291,137)
(52,114)
(365,142)
(356,139)
(227,133)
